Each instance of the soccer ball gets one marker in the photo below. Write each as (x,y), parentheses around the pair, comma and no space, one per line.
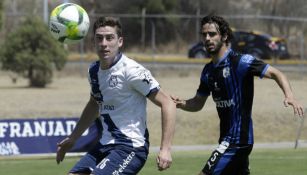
(69,23)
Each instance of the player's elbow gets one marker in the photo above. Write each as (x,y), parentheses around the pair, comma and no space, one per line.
(274,73)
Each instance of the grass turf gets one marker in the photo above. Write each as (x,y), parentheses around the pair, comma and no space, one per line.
(262,162)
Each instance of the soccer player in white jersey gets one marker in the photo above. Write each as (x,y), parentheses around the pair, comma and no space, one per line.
(119,87)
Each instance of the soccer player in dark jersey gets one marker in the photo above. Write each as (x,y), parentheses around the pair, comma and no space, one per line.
(229,79)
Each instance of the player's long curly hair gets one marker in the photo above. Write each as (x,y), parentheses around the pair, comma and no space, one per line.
(223,26)
(108,21)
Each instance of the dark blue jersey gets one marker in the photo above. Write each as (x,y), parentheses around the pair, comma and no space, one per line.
(231,83)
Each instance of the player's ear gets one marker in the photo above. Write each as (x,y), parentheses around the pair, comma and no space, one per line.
(224,38)
(120,41)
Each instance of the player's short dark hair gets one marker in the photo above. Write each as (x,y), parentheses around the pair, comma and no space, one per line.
(108,21)
(223,26)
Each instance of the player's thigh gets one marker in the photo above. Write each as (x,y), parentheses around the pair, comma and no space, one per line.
(88,162)
(235,161)
(240,163)
(85,165)
(229,160)
(120,161)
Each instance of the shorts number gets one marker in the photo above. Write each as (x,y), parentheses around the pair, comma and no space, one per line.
(103,163)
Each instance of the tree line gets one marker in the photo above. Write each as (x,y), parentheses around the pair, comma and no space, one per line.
(34,60)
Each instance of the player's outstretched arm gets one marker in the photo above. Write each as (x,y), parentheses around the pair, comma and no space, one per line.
(88,116)
(168,112)
(284,84)
(192,105)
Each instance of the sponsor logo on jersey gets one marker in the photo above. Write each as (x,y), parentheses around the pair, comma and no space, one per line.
(224,103)
(109,107)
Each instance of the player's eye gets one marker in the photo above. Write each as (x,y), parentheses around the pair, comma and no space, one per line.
(109,37)
(105,37)
(211,34)
(99,37)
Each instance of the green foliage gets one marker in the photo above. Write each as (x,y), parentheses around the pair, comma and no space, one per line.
(161,6)
(164,26)
(31,52)
(155,6)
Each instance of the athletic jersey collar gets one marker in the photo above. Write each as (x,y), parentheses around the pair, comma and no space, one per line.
(113,65)
(117,58)
(222,58)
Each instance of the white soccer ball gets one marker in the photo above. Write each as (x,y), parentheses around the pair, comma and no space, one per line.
(69,23)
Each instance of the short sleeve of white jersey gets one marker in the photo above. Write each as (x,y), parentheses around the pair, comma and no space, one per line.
(141,79)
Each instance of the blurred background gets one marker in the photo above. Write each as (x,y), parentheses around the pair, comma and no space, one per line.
(164,36)
(172,26)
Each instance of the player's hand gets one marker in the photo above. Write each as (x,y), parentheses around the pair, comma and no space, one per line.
(164,160)
(64,146)
(297,107)
(179,102)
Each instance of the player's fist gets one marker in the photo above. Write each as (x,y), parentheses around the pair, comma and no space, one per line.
(164,160)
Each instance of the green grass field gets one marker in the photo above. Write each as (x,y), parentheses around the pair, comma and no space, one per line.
(262,162)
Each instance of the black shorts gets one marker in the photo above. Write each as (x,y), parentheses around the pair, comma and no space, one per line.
(229,160)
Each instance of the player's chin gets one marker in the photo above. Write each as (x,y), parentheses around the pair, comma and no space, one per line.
(104,55)
(212,51)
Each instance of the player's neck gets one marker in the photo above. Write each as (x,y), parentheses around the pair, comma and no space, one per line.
(219,55)
(107,63)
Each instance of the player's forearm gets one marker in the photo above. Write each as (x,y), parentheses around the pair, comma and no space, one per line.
(286,88)
(190,105)
(168,125)
(283,83)
(88,116)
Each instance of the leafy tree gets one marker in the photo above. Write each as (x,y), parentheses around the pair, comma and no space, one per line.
(132,26)
(30,51)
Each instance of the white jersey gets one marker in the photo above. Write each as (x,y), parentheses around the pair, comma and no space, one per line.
(121,94)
